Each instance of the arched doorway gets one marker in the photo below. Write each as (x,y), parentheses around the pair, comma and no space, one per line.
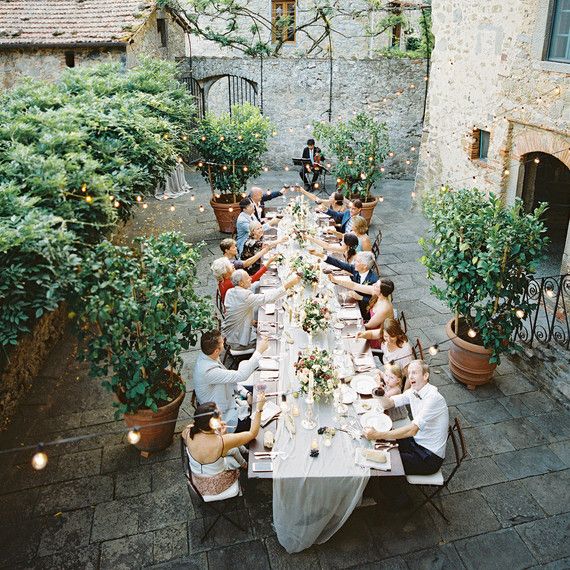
(547,179)
(221,92)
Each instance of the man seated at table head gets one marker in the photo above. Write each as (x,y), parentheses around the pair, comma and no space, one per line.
(242,305)
(258,196)
(360,271)
(422,442)
(345,218)
(213,382)
(244,220)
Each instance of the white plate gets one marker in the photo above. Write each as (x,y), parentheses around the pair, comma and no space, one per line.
(348,395)
(376,420)
(364,384)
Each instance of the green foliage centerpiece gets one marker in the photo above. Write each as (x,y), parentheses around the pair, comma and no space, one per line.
(484,252)
(315,315)
(307,269)
(316,372)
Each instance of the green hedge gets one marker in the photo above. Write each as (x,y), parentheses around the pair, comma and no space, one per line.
(74,157)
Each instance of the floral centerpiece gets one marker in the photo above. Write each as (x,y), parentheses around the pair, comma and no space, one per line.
(306,269)
(302,220)
(319,362)
(315,315)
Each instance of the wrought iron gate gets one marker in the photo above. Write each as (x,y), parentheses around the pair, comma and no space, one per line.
(197,91)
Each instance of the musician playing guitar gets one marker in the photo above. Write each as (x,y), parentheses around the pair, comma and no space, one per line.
(313,168)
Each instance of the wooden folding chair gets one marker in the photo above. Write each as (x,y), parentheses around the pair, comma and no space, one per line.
(403,322)
(233,357)
(211,500)
(424,482)
(220,304)
(417,350)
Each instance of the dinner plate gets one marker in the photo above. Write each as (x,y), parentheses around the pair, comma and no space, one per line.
(348,395)
(364,384)
(376,420)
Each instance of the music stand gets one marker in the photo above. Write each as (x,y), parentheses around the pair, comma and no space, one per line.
(303,162)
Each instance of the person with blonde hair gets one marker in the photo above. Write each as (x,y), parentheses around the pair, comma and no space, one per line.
(395,346)
(392,379)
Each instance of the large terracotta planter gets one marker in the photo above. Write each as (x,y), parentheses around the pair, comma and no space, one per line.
(226,214)
(157,437)
(469,363)
(368,210)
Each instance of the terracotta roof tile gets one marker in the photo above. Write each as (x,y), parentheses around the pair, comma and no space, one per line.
(45,22)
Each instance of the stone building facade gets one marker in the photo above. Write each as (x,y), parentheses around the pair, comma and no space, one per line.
(295,89)
(41,39)
(498,110)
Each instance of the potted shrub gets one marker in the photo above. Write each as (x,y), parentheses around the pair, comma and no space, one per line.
(140,310)
(359,147)
(484,252)
(231,147)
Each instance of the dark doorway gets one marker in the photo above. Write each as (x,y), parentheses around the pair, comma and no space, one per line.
(547,179)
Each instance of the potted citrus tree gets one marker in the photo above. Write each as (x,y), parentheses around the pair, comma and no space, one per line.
(484,253)
(230,147)
(358,147)
(139,310)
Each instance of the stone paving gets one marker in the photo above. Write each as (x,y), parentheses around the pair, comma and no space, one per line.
(98,504)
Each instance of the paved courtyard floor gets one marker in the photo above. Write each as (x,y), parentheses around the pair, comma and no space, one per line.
(98,504)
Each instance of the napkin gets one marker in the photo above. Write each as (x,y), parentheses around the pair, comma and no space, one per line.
(360,460)
(269,412)
(269,309)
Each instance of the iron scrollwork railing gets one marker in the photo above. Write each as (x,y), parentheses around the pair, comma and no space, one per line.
(549,321)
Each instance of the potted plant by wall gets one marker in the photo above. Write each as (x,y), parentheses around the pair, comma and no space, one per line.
(140,310)
(358,147)
(230,147)
(483,252)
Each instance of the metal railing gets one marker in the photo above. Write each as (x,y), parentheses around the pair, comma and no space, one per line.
(549,321)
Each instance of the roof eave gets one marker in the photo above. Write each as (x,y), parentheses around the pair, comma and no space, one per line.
(52,45)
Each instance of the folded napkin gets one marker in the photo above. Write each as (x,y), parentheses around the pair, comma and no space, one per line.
(269,412)
(363,406)
(359,459)
(268,364)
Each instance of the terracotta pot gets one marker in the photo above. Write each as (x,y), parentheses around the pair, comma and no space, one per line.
(226,214)
(158,437)
(368,210)
(468,362)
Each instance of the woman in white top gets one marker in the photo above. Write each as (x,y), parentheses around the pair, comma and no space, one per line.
(213,454)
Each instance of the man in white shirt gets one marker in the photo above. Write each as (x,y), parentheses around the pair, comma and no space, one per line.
(213,382)
(422,442)
(241,309)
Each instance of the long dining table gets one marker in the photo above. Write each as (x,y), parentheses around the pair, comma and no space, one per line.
(313,494)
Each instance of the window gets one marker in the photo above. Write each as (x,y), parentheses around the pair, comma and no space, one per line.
(161,28)
(70,59)
(283,20)
(479,147)
(396,35)
(559,41)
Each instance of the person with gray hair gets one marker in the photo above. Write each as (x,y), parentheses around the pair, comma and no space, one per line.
(360,272)
(241,309)
(259,197)
(229,250)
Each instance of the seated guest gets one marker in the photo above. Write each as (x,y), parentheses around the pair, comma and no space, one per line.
(259,197)
(214,454)
(392,379)
(360,230)
(380,306)
(241,309)
(229,250)
(360,271)
(345,220)
(395,346)
(213,382)
(336,201)
(223,268)
(422,442)
(348,246)
(244,220)
(254,244)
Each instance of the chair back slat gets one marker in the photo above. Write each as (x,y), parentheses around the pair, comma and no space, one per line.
(417,350)
(403,322)
(376,245)
(219,303)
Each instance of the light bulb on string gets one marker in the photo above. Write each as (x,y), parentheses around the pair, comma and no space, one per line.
(139,198)
(328,164)
(203,138)
(413,195)
(218,196)
(245,168)
(184,138)
(363,176)
(549,291)
(172,208)
(230,209)
(240,138)
(413,149)
(179,159)
(116,203)
(40,458)
(145,206)
(201,208)
(215,424)
(434,349)
(382,169)
(286,169)
(408,161)
(412,86)
(265,169)
(380,198)
(134,436)
(426,77)
(537,160)
(200,164)
(222,138)
(89,199)
(111,198)
(506,172)
(193,197)
(519,313)
(472,333)
(84,187)
(338,180)
(316,185)
(224,167)
(274,133)
(391,153)
(349,162)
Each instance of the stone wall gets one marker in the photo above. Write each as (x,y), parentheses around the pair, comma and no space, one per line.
(296,93)
(488,72)
(47,63)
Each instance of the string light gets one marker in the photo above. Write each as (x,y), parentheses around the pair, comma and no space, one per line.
(224,167)
(413,195)
(145,206)
(111,198)
(201,208)
(245,169)
(350,162)
(413,149)
(412,86)
(537,160)
(172,208)
(391,153)
(287,169)
(316,185)
(506,172)
(222,138)
(193,197)
(179,159)
(139,198)
(84,187)
(380,198)
(240,138)
(230,209)
(433,350)
(274,133)
(371,159)
(89,199)
(40,459)
(363,176)
(265,169)
(218,196)
(549,291)
(203,138)
(519,313)
(184,138)
(472,333)
(382,169)
(116,203)
(408,161)
(134,436)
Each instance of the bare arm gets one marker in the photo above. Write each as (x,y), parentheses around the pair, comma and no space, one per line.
(309,195)
(251,260)
(236,439)
(365,289)
(378,319)
(400,433)
(365,243)
(328,246)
